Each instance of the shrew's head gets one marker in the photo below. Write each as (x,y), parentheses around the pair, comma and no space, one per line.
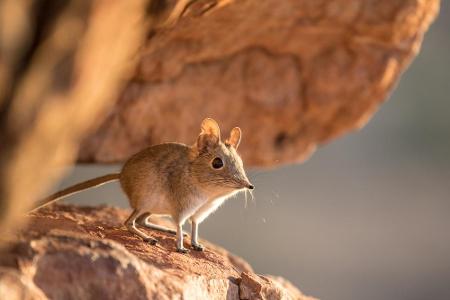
(216,164)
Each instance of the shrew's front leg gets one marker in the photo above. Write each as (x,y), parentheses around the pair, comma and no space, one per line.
(194,237)
(201,214)
(180,246)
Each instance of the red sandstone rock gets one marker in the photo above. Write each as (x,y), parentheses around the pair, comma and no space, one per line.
(70,252)
(292,74)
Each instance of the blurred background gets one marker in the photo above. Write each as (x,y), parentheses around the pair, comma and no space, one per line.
(368,215)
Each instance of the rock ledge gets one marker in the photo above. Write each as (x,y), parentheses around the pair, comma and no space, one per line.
(70,252)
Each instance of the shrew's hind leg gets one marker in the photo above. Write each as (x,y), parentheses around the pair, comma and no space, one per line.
(144,220)
(130,223)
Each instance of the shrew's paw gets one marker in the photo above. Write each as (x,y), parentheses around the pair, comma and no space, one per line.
(182,250)
(151,241)
(197,247)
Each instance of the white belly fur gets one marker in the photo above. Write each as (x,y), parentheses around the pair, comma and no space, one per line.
(209,207)
(198,210)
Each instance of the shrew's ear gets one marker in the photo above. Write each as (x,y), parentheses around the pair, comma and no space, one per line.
(209,135)
(209,126)
(235,137)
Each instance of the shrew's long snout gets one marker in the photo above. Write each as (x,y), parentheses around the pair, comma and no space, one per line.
(246,184)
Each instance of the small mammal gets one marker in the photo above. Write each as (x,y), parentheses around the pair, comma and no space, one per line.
(185,182)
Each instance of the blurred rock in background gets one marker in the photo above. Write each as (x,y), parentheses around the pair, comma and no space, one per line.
(292,74)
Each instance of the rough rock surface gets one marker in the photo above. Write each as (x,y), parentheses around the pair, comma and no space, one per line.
(292,74)
(70,252)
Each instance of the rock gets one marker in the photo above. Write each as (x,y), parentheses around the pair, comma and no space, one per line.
(58,74)
(292,74)
(16,286)
(252,286)
(70,252)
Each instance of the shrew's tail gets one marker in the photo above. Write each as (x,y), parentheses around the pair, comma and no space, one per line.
(77,188)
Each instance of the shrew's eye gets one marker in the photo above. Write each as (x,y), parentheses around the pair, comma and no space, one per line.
(217,163)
